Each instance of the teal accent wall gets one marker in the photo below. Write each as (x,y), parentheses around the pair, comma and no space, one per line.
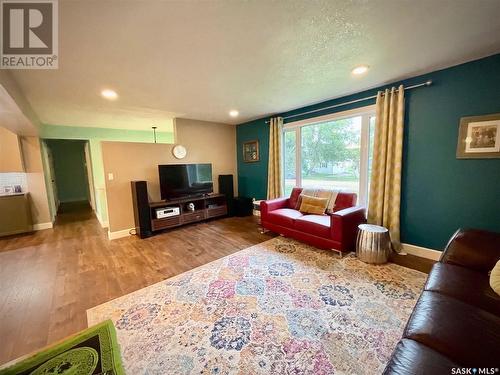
(253,176)
(440,193)
(95,136)
(69,169)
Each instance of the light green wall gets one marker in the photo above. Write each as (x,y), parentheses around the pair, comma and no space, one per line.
(95,136)
(121,135)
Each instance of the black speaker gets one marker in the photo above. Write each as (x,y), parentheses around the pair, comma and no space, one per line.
(226,187)
(243,206)
(142,211)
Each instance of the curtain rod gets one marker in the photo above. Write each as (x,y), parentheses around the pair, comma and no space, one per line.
(427,83)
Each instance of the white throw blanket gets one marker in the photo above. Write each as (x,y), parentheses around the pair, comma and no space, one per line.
(330,194)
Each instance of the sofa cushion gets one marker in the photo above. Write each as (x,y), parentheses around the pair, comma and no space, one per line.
(317,225)
(473,248)
(294,197)
(313,205)
(457,330)
(284,217)
(464,284)
(410,357)
(329,194)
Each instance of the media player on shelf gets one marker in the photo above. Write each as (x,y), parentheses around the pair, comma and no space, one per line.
(164,212)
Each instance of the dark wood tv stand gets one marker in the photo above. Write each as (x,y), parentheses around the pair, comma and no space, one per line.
(206,207)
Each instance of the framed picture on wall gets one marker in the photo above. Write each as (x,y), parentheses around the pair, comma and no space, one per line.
(251,151)
(479,137)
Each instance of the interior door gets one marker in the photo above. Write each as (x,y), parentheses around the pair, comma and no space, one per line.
(50,182)
(52,177)
(90,179)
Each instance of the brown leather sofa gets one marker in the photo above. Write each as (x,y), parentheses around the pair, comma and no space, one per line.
(456,321)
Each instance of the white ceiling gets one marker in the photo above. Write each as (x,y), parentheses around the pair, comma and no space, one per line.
(199,59)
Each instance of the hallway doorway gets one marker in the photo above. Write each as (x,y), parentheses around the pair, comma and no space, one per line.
(71,175)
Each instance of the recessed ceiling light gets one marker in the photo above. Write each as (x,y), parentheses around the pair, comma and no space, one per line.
(234,113)
(362,69)
(109,94)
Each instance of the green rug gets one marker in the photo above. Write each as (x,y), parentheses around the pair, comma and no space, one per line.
(90,352)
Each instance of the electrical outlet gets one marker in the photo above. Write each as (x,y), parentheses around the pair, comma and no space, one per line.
(111,177)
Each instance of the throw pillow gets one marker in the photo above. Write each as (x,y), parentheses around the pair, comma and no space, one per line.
(294,198)
(309,192)
(331,203)
(329,194)
(313,205)
(495,278)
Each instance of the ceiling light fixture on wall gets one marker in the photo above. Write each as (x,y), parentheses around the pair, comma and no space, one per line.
(234,113)
(109,94)
(361,69)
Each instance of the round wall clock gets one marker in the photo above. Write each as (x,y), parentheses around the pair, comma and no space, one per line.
(179,151)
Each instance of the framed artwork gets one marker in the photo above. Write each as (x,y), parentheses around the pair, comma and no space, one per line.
(250,151)
(479,137)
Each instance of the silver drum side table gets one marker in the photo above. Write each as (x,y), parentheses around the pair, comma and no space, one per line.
(373,244)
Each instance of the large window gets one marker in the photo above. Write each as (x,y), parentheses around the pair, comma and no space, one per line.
(331,151)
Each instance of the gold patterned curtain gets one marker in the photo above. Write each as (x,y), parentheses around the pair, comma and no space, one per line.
(274,183)
(385,186)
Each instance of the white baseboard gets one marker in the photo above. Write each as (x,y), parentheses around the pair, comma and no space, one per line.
(422,252)
(119,234)
(42,226)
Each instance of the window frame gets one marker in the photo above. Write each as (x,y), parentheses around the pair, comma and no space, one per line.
(365,113)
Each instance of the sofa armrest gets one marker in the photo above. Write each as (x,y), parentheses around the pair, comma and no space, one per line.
(344,225)
(271,205)
(473,248)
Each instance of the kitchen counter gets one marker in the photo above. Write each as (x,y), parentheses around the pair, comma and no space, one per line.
(12,194)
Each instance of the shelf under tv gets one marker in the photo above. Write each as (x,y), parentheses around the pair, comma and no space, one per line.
(206,207)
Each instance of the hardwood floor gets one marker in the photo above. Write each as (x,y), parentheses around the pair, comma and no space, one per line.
(49,279)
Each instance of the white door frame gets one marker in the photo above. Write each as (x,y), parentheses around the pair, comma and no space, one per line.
(50,179)
(90,175)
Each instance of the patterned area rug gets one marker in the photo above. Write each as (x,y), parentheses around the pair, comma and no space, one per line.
(280,307)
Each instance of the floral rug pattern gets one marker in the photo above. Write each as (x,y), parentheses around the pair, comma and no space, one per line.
(279,307)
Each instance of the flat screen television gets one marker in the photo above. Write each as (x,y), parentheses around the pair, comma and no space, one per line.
(185,180)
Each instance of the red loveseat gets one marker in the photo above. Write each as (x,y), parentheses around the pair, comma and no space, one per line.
(336,231)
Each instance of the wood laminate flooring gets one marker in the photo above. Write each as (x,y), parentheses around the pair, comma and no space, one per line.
(48,279)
